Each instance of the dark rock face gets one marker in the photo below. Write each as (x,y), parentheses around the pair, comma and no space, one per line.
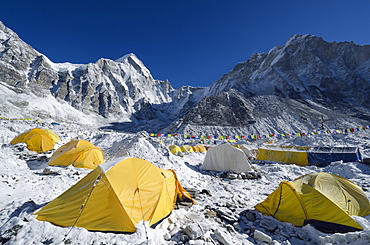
(228,109)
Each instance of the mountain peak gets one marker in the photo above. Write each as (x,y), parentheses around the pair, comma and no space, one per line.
(299,38)
(133,60)
(125,57)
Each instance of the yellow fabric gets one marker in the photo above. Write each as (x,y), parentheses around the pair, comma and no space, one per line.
(186,148)
(344,193)
(174,149)
(319,207)
(181,192)
(291,157)
(284,204)
(116,198)
(22,137)
(37,140)
(167,198)
(300,148)
(317,196)
(195,148)
(55,137)
(201,148)
(91,204)
(80,153)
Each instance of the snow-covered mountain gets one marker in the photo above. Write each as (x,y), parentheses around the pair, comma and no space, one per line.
(298,83)
(109,88)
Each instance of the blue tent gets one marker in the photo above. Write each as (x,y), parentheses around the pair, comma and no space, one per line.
(305,155)
(323,156)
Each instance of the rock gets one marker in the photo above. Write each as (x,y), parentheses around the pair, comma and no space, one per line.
(171,220)
(211,214)
(207,192)
(183,205)
(8,234)
(253,175)
(223,237)
(352,237)
(231,206)
(196,242)
(194,231)
(167,236)
(171,226)
(192,191)
(227,215)
(230,228)
(48,171)
(302,234)
(250,215)
(366,161)
(174,230)
(260,236)
(274,242)
(223,175)
(269,225)
(231,176)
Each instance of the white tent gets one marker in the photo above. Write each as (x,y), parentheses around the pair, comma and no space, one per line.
(248,150)
(226,158)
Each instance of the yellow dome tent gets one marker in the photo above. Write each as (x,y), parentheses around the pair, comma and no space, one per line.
(186,148)
(199,148)
(37,140)
(323,200)
(80,153)
(55,137)
(174,149)
(116,196)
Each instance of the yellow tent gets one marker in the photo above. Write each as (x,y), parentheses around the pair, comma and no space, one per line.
(323,200)
(37,140)
(52,134)
(174,149)
(290,156)
(186,148)
(116,196)
(199,148)
(195,148)
(80,153)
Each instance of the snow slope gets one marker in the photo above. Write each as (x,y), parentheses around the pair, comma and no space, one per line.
(224,213)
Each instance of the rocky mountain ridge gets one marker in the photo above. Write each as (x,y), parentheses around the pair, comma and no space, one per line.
(287,89)
(108,88)
(321,79)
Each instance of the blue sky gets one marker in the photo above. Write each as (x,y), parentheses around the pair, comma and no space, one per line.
(189,42)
